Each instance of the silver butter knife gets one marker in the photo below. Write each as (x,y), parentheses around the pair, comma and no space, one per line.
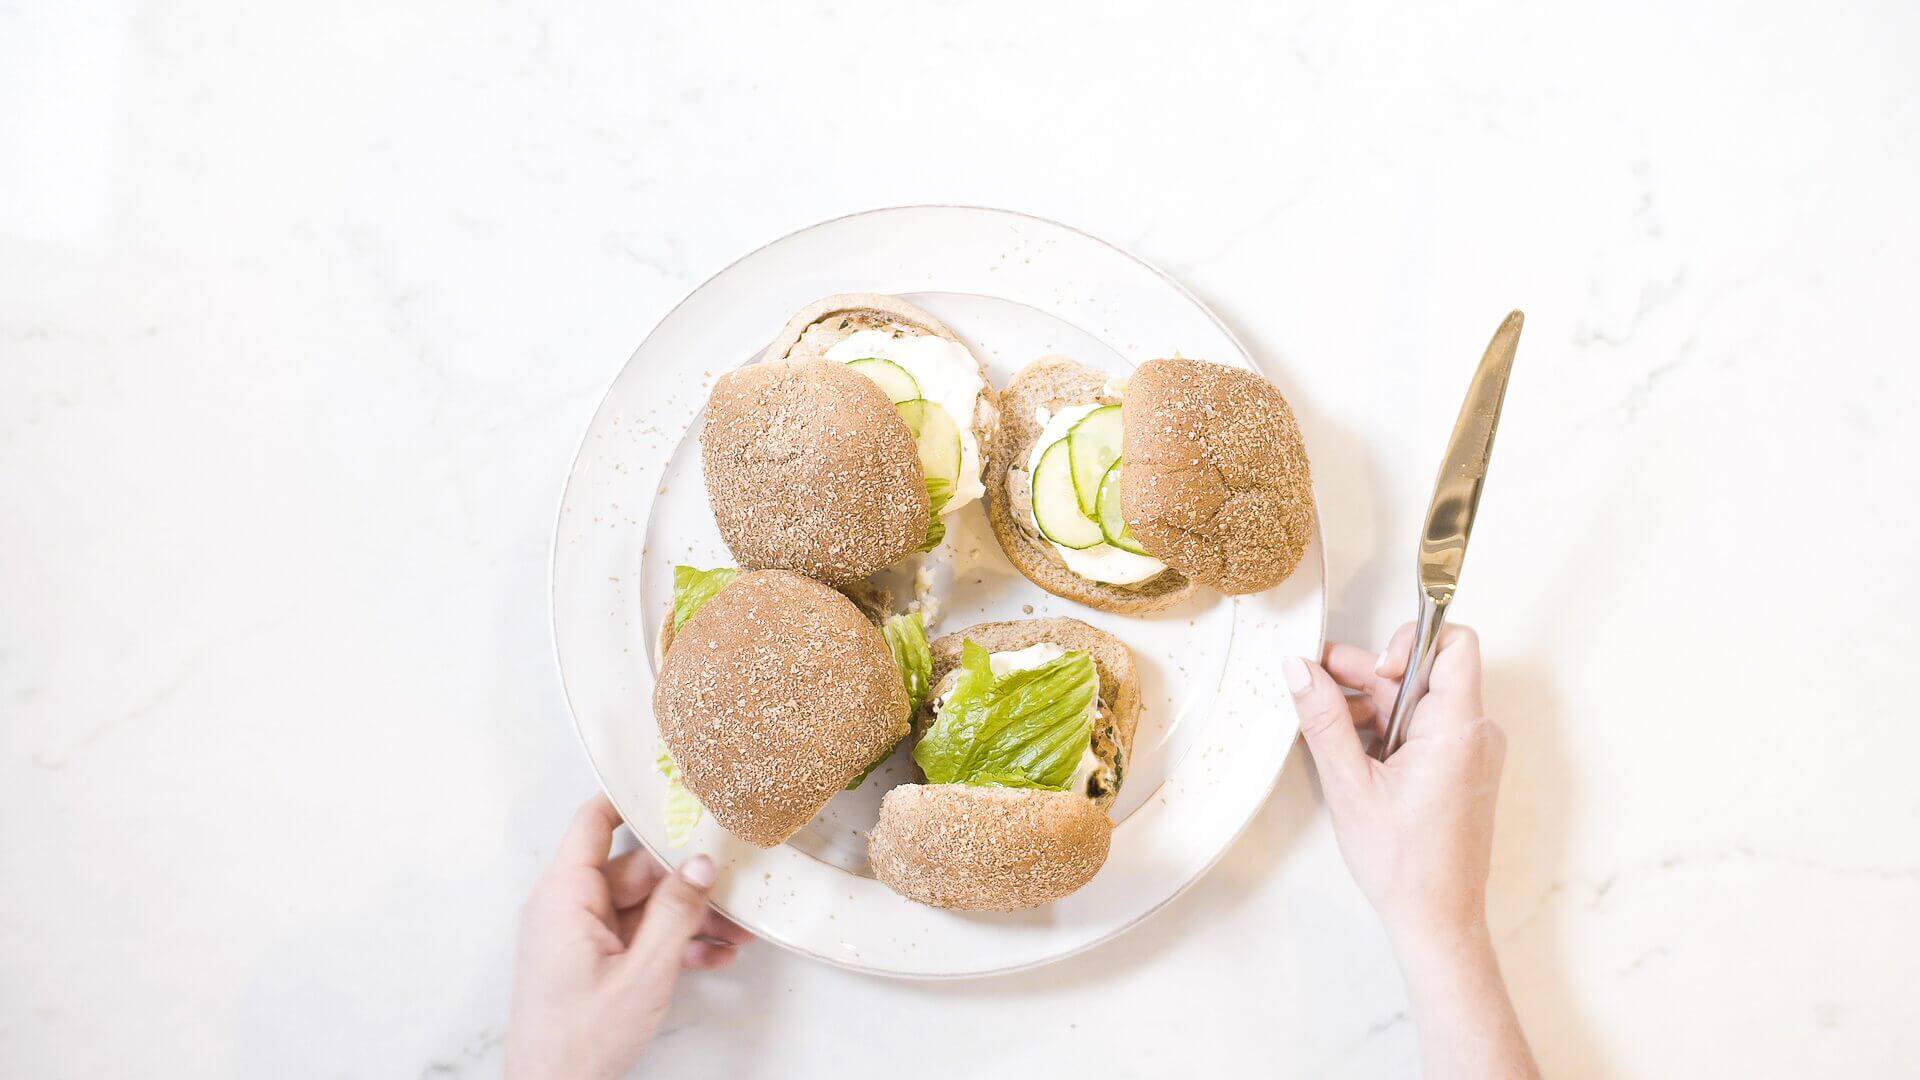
(1456,496)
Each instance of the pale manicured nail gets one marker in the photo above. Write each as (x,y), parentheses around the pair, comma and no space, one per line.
(698,871)
(1298,677)
(1380,665)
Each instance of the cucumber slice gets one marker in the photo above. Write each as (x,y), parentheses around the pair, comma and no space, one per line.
(1094,445)
(894,379)
(1056,509)
(914,413)
(1112,525)
(938,436)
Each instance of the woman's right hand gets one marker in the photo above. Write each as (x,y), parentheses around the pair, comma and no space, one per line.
(1417,829)
(1417,832)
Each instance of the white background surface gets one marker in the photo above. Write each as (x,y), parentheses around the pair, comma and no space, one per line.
(302,312)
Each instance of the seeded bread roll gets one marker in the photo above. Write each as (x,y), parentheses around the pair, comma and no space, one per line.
(987,848)
(774,696)
(810,468)
(1216,479)
(1055,383)
(1003,849)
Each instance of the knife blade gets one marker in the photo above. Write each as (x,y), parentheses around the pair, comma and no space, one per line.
(1449,524)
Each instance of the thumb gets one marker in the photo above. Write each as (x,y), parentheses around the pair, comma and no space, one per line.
(1326,723)
(673,915)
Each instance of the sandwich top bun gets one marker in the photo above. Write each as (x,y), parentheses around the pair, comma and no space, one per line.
(987,848)
(810,468)
(772,697)
(1216,479)
(1214,482)
(1055,383)
(820,462)
(1003,849)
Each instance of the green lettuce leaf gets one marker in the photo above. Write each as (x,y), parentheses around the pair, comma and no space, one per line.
(907,637)
(1024,729)
(682,811)
(939,493)
(693,587)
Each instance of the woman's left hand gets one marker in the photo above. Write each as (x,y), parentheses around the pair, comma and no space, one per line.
(602,943)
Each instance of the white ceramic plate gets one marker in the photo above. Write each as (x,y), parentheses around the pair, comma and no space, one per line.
(1216,725)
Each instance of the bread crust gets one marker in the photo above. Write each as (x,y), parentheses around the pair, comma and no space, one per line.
(1056,382)
(985,848)
(810,468)
(1216,481)
(774,696)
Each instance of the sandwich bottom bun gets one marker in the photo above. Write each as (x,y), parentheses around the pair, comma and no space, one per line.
(1054,383)
(774,696)
(986,848)
(1004,849)
(1119,703)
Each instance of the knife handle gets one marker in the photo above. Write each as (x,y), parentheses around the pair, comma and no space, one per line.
(1413,684)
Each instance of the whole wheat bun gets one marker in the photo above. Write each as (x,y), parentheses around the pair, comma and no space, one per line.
(1216,481)
(1003,849)
(987,848)
(1056,382)
(772,697)
(809,467)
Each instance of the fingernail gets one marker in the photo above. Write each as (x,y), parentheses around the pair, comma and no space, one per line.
(698,871)
(1298,677)
(1380,665)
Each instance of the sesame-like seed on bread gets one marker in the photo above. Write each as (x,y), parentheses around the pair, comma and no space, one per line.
(772,697)
(987,848)
(1216,481)
(809,467)
(1056,383)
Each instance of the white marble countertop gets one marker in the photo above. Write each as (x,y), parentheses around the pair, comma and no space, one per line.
(302,312)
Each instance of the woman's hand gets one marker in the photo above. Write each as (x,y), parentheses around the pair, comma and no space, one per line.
(1417,832)
(1416,829)
(602,943)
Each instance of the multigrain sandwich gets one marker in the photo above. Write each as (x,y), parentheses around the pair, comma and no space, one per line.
(1127,495)
(843,449)
(1024,744)
(775,692)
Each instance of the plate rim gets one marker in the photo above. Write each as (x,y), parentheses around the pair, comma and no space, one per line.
(573,714)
